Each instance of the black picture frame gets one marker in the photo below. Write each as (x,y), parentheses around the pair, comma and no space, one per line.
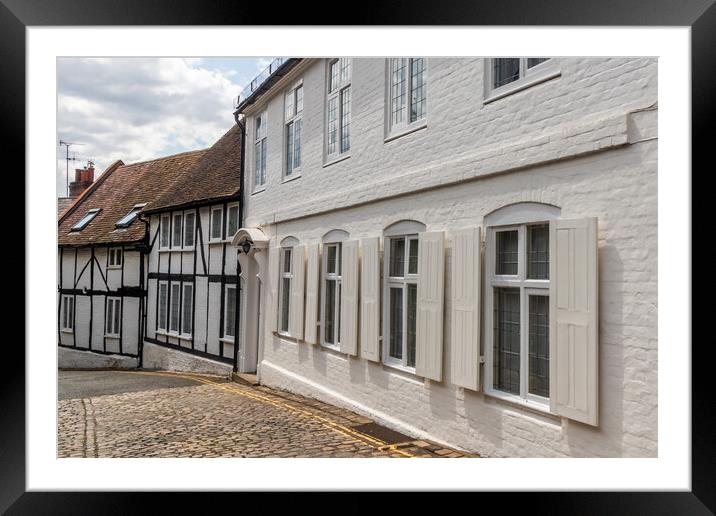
(700,15)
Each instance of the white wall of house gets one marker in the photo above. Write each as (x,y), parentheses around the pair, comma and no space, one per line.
(203,266)
(583,141)
(87,278)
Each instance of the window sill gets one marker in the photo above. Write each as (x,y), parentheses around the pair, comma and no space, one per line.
(216,241)
(285,336)
(227,340)
(397,133)
(516,86)
(114,267)
(402,368)
(107,336)
(66,330)
(332,347)
(294,175)
(337,159)
(542,408)
(259,190)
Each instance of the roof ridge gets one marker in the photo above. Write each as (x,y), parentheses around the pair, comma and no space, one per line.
(162,158)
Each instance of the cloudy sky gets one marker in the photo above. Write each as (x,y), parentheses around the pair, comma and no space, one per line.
(136,109)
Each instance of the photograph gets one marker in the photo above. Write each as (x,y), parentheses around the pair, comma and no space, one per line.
(435,257)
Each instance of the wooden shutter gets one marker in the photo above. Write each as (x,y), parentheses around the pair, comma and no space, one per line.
(465,342)
(349,297)
(429,331)
(298,269)
(313,279)
(370,300)
(272,281)
(573,297)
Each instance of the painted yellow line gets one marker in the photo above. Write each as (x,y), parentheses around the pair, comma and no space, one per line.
(378,444)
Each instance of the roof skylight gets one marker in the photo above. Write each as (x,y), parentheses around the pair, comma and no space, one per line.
(91,214)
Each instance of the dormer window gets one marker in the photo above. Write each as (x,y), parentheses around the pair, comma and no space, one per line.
(91,214)
(129,217)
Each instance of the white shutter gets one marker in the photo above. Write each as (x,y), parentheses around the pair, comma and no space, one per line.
(429,331)
(272,280)
(370,300)
(573,292)
(465,343)
(312,285)
(298,270)
(349,297)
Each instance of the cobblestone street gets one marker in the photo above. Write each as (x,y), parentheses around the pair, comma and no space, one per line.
(158,414)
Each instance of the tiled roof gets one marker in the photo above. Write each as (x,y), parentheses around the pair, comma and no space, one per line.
(215,176)
(63,203)
(116,191)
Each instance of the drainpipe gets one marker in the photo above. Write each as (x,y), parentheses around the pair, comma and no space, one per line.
(237,331)
(142,309)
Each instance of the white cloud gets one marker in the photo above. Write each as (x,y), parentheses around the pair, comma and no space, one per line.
(135,109)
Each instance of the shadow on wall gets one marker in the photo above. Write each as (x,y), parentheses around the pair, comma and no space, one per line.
(606,440)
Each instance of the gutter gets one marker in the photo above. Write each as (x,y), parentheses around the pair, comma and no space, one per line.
(280,72)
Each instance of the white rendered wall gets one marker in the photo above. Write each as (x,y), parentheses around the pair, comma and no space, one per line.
(597,160)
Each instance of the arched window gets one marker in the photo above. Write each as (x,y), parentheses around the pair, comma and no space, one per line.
(400,292)
(331,272)
(517,301)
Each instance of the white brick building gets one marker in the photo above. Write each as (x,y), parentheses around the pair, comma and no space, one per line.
(464,249)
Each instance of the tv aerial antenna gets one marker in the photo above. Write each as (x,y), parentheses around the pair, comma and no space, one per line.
(67,161)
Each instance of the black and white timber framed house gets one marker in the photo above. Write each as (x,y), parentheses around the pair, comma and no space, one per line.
(193,273)
(102,263)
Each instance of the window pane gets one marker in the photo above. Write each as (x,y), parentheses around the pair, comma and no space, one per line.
(412,312)
(287,260)
(162,307)
(289,105)
(331,259)
(174,315)
(334,77)
(176,231)
(71,314)
(397,257)
(216,224)
(289,149)
(506,349)
(396,323)
(230,317)
(332,124)
(397,90)
(534,61)
(189,229)
(345,69)
(297,144)
(187,309)
(165,231)
(346,120)
(117,315)
(263,161)
(539,346)
(259,162)
(299,99)
(329,312)
(506,262)
(64,311)
(285,295)
(413,256)
(505,71)
(108,317)
(538,252)
(417,89)
(338,314)
(233,214)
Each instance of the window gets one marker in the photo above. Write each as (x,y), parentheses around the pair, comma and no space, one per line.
(113,319)
(163,305)
(230,312)
(518,334)
(187,308)
(165,228)
(401,295)
(507,75)
(293,122)
(217,215)
(129,217)
(176,230)
(285,289)
(260,150)
(174,305)
(338,109)
(331,295)
(68,313)
(115,257)
(232,224)
(82,223)
(407,93)
(189,227)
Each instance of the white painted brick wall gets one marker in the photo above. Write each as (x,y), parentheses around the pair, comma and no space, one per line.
(618,185)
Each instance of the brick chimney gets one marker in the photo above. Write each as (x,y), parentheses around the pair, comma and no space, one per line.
(83,178)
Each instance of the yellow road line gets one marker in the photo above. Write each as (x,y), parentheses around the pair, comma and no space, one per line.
(378,444)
